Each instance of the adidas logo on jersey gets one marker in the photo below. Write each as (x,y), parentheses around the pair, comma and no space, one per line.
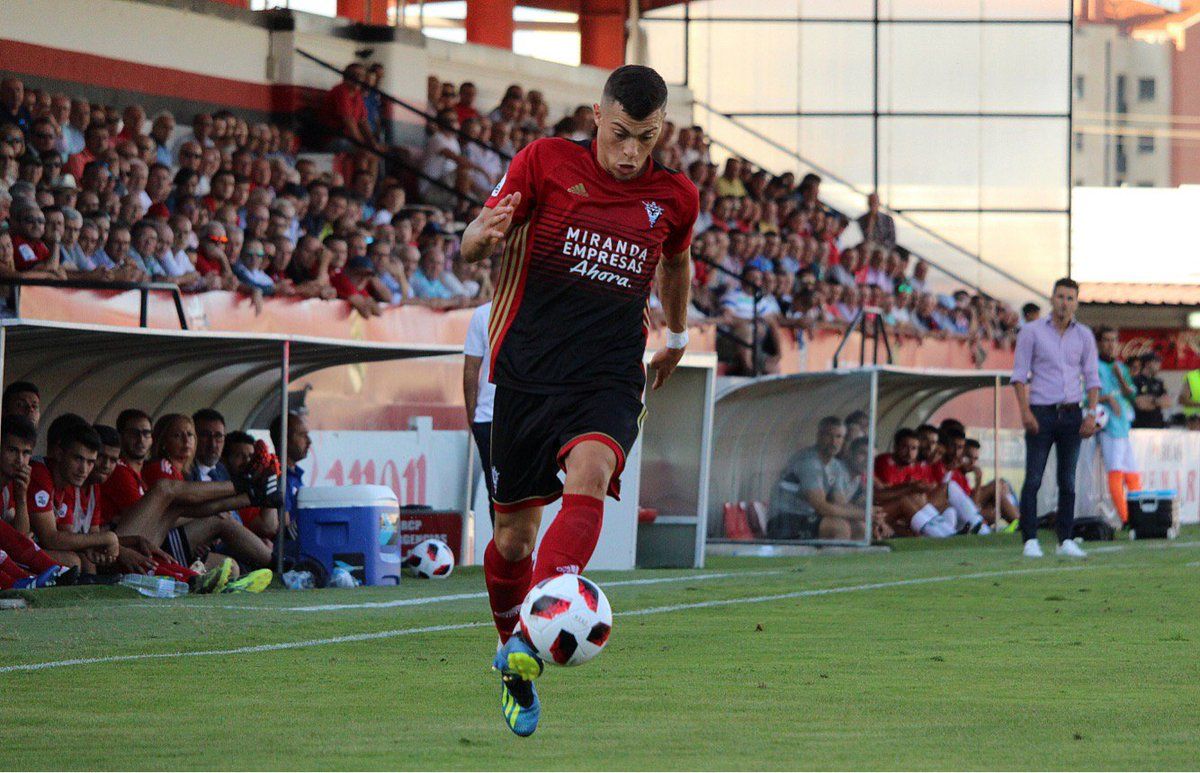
(578,189)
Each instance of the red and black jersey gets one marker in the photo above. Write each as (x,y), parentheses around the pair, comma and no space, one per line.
(891,473)
(569,312)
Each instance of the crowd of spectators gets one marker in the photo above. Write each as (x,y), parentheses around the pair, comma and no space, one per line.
(177,497)
(105,193)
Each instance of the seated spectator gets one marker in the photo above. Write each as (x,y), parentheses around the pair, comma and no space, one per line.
(390,271)
(249,269)
(32,257)
(739,308)
(984,494)
(344,114)
(465,109)
(211,261)
(142,250)
(812,497)
(353,285)
(444,162)
(95,148)
(426,281)
(487,166)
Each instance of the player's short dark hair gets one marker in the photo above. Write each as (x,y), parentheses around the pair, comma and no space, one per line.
(20,388)
(1102,330)
(276,432)
(130,415)
(1148,356)
(238,438)
(952,423)
(19,427)
(208,414)
(1068,283)
(973,443)
(639,89)
(61,426)
(922,429)
(108,435)
(857,416)
(902,434)
(829,422)
(1030,308)
(948,435)
(83,434)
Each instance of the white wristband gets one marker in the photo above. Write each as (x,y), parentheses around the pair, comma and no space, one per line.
(677,340)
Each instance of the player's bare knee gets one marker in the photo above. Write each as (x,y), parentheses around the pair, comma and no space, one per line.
(514,537)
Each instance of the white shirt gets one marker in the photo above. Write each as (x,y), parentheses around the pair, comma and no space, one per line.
(435,164)
(477,345)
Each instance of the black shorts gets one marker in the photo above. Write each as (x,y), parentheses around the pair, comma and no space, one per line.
(533,433)
(178,545)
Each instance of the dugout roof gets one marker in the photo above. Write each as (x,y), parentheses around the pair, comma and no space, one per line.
(759,423)
(97,370)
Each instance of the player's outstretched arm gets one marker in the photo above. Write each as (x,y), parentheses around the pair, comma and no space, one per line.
(674,284)
(489,229)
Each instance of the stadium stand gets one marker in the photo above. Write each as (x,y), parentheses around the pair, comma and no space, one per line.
(332,210)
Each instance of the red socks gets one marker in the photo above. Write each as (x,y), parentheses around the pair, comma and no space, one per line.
(24,550)
(566,549)
(10,572)
(507,584)
(571,539)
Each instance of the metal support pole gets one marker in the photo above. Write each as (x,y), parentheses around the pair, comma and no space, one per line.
(862,337)
(873,410)
(755,347)
(3,350)
(285,363)
(1070,133)
(875,98)
(144,312)
(996,453)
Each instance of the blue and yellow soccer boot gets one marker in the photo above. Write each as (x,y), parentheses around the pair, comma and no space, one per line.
(519,665)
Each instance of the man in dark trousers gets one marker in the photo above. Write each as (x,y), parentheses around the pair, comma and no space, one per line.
(1055,362)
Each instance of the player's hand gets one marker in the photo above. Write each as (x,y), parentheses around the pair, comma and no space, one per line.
(664,362)
(1030,422)
(1088,428)
(134,562)
(495,228)
(20,479)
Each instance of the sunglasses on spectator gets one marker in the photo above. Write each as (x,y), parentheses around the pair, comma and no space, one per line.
(219,239)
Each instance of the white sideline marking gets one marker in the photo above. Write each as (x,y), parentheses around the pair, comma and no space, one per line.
(463,596)
(459,626)
(1156,545)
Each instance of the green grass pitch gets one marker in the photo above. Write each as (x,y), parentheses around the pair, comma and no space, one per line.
(954,655)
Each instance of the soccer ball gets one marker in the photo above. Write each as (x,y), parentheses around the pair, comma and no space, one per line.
(1101,417)
(430,560)
(567,619)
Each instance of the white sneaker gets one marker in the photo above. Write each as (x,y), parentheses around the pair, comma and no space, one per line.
(1032,549)
(1070,549)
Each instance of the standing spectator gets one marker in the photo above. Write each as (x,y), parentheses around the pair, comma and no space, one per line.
(479,393)
(1152,398)
(465,109)
(729,184)
(1189,395)
(1116,389)
(1030,312)
(13,109)
(1055,361)
(878,228)
(72,130)
(344,113)
(373,101)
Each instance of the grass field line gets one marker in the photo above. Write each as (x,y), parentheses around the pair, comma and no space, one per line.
(464,596)
(390,634)
(1156,545)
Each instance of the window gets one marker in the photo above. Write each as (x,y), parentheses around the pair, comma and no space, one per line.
(1079,87)
(1079,140)
(1146,143)
(1146,89)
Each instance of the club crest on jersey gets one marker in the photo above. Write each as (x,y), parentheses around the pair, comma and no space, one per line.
(653,211)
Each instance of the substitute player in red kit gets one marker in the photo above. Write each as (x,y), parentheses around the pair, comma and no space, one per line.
(586,228)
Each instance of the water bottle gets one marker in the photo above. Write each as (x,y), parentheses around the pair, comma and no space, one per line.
(295,580)
(155,587)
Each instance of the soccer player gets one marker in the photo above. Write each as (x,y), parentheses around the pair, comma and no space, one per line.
(585,225)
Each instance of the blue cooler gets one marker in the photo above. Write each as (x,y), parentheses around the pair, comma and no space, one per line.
(357,525)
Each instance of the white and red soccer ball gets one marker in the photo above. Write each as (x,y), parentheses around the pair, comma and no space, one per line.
(567,619)
(430,560)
